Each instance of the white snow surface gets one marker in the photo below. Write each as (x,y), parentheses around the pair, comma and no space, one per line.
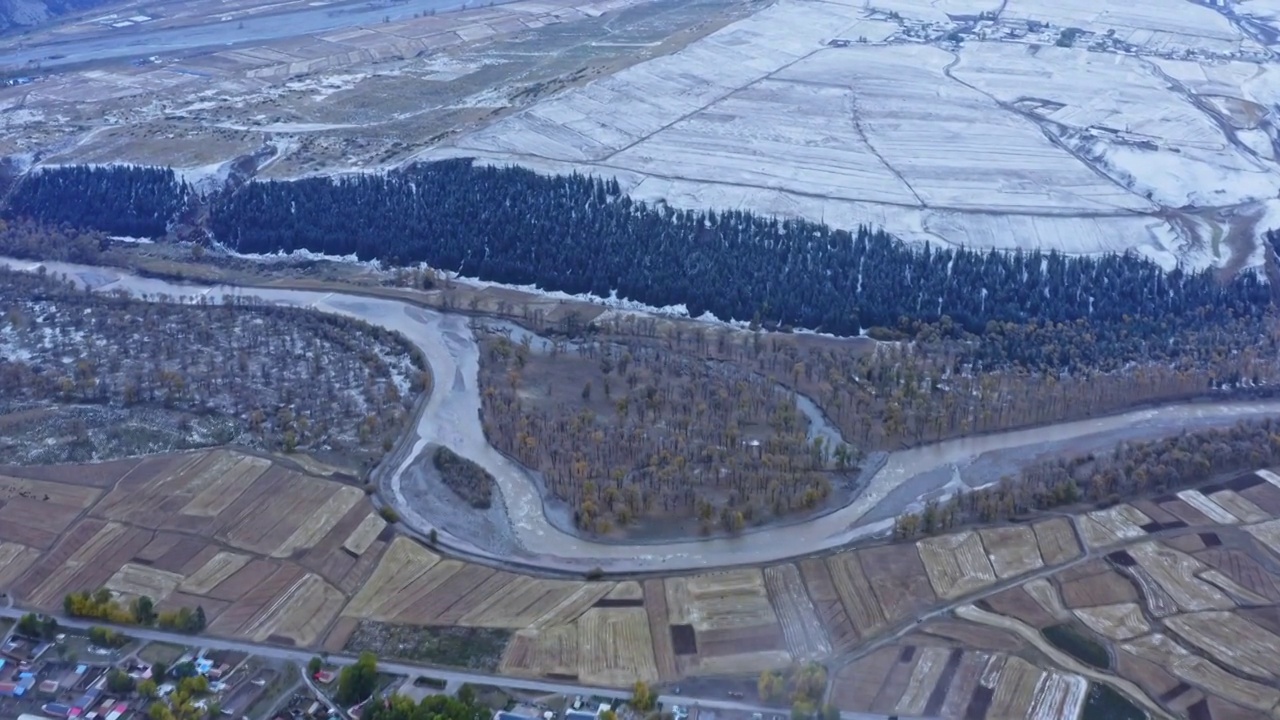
(1003,140)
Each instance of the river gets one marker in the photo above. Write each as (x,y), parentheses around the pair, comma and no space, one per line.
(451,418)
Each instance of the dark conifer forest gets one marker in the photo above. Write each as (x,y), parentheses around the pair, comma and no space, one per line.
(127,200)
(579,234)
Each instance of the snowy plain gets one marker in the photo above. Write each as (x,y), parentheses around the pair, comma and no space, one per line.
(948,121)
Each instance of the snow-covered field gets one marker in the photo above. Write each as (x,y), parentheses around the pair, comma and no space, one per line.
(1154,25)
(1001,139)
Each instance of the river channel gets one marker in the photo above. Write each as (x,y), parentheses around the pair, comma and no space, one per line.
(451,417)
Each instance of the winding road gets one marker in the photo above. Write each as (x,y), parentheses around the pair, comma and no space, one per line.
(450,417)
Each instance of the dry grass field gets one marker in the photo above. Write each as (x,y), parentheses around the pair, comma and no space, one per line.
(1101,588)
(1175,572)
(1243,570)
(308,566)
(1113,525)
(664,654)
(1013,550)
(1210,509)
(822,590)
(851,584)
(922,681)
(1047,596)
(1267,533)
(957,564)
(132,581)
(257,545)
(1231,640)
(1057,541)
(734,627)
(35,512)
(806,640)
(614,647)
(1015,689)
(1164,651)
(547,652)
(15,559)
(212,573)
(1121,621)
(898,579)
(1016,602)
(1239,506)
(729,599)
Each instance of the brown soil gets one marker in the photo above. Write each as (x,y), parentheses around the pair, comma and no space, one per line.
(1105,588)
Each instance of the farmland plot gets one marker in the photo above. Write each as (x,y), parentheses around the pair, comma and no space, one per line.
(898,579)
(61,580)
(957,564)
(270,523)
(1231,639)
(855,592)
(138,580)
(614,647)
(1016,602)
(1083,91)
(14,561)
(320,522)
(1058,696)
(1209,508)
(298,615)
(1152,25)
(215,489)
(822,589)
(1237,591)
(574,605)
(1110,526)
(525,600)
(1265,495)
(1268,533)
(973,635)
(218,568)
(403,562)
(626,590)
(1047,595)
(655,604)
(1175,572)
(1012,550)
(734,598)
(857,684)
(595,122)
(75,496)
(1236,504)
(800,625)
(35,512)
(1057,541)
(1121,621)
(1158,600)
(450,590)
(1163,651)
(365,533)
(547,652)
(1101,588)
(924,678)
(920,123)
(1016,689)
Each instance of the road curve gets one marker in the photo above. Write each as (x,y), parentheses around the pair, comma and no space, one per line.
(451,417)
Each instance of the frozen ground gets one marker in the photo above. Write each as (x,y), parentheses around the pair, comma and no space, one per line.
(451,417)
(961,121)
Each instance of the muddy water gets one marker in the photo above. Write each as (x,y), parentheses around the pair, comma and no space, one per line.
(451,418)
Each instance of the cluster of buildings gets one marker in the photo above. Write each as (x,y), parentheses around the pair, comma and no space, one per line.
(34,678)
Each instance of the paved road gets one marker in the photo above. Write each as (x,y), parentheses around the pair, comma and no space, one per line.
(134,42)
(451,676)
